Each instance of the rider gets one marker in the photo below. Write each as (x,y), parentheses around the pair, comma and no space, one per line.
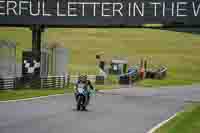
(86,84)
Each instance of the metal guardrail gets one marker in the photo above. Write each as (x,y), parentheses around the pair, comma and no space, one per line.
(42,82)
(48,82)
(52,82)
(7,83)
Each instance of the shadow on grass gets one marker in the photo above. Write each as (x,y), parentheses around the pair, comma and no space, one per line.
(195,30)
(192,30)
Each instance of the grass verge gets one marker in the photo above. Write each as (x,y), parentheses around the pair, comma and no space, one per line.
(186,122)
(27,93)
(30,93)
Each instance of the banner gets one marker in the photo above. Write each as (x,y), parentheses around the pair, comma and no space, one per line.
(99,12)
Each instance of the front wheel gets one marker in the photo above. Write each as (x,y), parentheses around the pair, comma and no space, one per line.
(78,107)
(80,103)
(83,108)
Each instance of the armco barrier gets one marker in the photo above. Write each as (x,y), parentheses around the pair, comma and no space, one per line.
(53,82)
(7,83)
(42,82)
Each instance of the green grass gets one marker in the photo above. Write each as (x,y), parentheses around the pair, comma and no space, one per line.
(27,93)
(164,82)
(30,93)
(186,122)
(178,51)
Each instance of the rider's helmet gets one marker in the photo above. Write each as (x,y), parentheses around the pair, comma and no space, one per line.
(83,78)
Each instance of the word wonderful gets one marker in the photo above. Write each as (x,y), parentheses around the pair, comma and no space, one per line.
(128,8)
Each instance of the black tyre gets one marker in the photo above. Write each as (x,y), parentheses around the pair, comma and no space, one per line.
(83,108)
(80,102)
(78,107)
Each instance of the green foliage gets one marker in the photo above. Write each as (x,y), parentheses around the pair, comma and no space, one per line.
(186,122)
(27,93)
(112,79)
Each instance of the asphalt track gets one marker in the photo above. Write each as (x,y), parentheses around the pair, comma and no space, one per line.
(127,110)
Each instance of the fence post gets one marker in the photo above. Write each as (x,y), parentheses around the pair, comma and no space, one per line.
(14,83)
(63,81)
(1,83)
(68,80)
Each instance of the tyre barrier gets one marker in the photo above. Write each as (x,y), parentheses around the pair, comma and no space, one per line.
(125,80)
(100,80)
(157,74)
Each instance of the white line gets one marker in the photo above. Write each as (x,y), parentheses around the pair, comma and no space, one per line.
(27,99)
(163,123)
(34,98)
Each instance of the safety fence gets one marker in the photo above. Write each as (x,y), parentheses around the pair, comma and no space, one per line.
(48,82)
(36,83)
(62,81)
(7,83)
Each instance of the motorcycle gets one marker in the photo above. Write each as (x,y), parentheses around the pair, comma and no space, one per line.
(82,97)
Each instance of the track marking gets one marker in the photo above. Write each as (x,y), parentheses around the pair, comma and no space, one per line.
(163,122)
(33,98)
